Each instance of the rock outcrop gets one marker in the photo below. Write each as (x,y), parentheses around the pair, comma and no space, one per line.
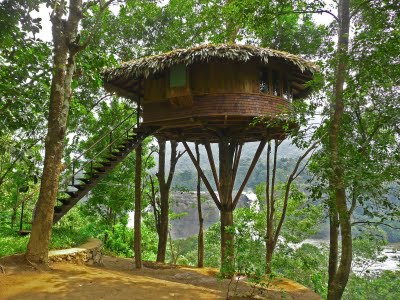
(185,203)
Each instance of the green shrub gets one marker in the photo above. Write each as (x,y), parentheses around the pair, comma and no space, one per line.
(385,286)
(11,242)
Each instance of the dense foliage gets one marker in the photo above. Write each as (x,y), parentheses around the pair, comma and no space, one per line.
(369,136)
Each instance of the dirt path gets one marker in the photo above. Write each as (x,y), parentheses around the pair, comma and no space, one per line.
(118,280)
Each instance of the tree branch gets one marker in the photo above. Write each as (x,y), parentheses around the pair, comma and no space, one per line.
(287,190)
(375,223)
(96,25)
(317,11)
(202,175)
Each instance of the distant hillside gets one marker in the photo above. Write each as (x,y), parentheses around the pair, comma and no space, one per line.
(186,203)
(186,176)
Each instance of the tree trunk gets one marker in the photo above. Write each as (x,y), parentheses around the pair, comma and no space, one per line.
(269,229)
(138,209)
(165,186)
(227,243)
(338,283)
(173,257)
(274,221)
(64,35)
(164,224)
(333,242)
(200,238)
(164,204)
(268,255)
(226,153)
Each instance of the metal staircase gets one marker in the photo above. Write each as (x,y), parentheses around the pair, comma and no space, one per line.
(91,166)
(96,162)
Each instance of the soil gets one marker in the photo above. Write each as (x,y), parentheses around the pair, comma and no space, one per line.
(117,279)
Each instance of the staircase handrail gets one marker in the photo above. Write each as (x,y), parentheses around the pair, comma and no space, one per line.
(28,197)
(91,160)
(99,140)
(37,188)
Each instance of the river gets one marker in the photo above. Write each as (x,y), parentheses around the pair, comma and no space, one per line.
(391,251)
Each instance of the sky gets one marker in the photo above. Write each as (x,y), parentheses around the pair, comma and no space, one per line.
(45,33)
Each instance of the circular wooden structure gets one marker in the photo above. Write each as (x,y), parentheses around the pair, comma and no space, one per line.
(212,94)
(211,91)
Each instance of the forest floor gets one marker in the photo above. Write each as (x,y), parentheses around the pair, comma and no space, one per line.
(117,279)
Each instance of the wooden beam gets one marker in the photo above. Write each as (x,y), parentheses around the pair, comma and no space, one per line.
(212,164)
(250,170)
(202,175)
(236,161)
(298,86)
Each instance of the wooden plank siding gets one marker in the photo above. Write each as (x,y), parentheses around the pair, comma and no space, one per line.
(232,104)
(214,89)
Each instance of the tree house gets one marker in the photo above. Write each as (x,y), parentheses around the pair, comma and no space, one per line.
(211,94)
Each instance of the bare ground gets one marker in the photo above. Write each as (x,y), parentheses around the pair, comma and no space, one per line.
(118,279)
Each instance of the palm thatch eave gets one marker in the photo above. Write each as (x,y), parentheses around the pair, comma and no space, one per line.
(146,66)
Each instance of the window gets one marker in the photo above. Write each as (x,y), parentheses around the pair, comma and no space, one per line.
(177,76)
(287,90)
(264,81)
(276,89)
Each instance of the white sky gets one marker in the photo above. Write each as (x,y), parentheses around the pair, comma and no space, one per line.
(45,33)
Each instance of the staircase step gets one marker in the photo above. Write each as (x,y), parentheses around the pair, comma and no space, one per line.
(111,158)
(24,232)
(79,187)
(72,194)
(104,163)
(96,170)
(127,143)
(85,180)
(92,175)
(99,169)
(64,201)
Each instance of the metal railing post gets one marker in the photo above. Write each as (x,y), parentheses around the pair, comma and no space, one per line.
(110,142)
(73,172)
(22,216)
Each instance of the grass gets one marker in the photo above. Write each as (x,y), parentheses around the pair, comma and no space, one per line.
(12,243)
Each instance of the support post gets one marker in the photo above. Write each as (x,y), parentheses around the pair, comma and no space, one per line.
(22,216)
(137,238)
(229,157)
(226,153)
(138,208)
(200,239)
(260,149)
(202,175)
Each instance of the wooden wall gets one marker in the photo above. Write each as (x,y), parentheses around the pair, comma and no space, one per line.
(244,105)
(224,77)
(213,88)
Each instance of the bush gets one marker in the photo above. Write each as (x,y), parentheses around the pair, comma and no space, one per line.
(386,286)
(11,242)
(119,240)
(307,265)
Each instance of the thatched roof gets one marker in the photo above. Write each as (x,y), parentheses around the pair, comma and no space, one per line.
(143,67)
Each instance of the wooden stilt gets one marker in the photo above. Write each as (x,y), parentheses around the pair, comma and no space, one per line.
(250,170)
(213,168)
(236,160)
(203,177)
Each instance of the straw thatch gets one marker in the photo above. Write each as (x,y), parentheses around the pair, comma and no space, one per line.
(146,66)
